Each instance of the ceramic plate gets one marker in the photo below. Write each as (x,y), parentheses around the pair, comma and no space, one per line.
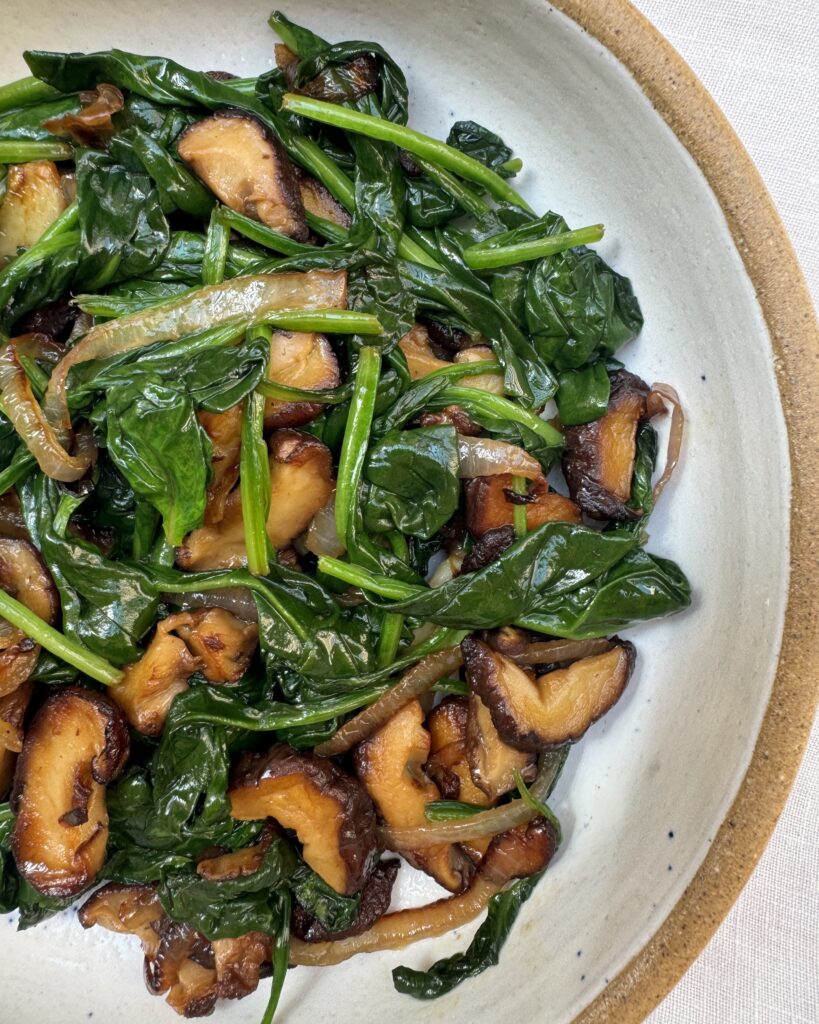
(646,793)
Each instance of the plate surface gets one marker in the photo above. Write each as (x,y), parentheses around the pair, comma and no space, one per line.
(646,792)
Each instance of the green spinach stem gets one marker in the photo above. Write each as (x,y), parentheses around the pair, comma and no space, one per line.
(25,92)
(52,640)
(281,955)
(254,484)
(217,243)
(486,255)
(13,151)
(356,435)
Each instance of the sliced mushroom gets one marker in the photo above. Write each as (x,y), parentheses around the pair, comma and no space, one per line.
(13,709)
(12,523)
(375,902)
(301,482)
(225,432)
(447,764)
(417,350)
(488,548)
(490,503)
(491,761)
(319,201)
(24,576)
(222,643)
(491,382)
(149,686)
(329,811)
(34,200)
(598,462)
(558,707)
(218,546)
(299,360)
(76,744)
(179,961)
(209,640)
(519,852)
(237,863)
(390,764)
(247,169)
(454,415)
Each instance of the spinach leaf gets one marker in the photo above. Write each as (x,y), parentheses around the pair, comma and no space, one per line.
(414,481)
(428,205)
(332,910)
(552,561)
(177,187)
(582,395)
(124,230)
(35,908)
(578,308)
(26,123)
(109,606)
(9,879)
(641,586)
(642,495)
(159,446)
(481,144)
(230,907)
(483,951)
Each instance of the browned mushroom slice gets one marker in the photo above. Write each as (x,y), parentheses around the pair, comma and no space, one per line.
(301,482)
(150,684)
(454,415)
(491,382)
(12,524)
(34,200)
(12,713)
(24,576)
(556,708)
(222,643)
(447,765)
(247,169)
(319,201)
(179,960)
(492,762)
(520,852)
(225,432)
(237,863)
(390,764)
(418,352)
(489,506)
(329,811)
(218,546)
(76,744)
(598,462)
(299,360)
(375,902)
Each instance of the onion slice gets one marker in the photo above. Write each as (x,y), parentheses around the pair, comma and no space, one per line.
(484,456)
(241,300)
(478,826)
(322,536)
(675,435)
(560,650)
(399,929)
(417,680)
(92,126)
(28,420)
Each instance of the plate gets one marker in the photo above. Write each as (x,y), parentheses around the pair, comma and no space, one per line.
(666,804)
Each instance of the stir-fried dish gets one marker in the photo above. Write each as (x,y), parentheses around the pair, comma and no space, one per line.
(324,496)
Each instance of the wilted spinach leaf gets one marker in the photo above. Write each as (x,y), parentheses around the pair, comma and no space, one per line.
(582,395)
(334,911)
(481,144)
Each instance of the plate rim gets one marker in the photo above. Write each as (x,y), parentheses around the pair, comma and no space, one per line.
(770,261)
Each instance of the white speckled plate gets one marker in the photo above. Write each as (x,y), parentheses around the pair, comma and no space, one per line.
(647,790)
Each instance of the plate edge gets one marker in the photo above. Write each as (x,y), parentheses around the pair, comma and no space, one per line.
(771,263)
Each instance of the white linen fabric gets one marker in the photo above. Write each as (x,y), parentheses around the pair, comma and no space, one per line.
(760,61)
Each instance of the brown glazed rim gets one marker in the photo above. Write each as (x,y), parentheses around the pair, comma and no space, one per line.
(681,99)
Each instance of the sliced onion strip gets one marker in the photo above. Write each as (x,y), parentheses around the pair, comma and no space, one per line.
(415,681)
(560,650)
(28,420)
(485,456)
(242,299)
(399,929)
(675,435)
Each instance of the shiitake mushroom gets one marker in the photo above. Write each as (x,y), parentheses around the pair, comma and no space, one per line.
(390,764)
(299,360)
(490,504)
(76,744)
(557,707)
(249,171)
(330,812)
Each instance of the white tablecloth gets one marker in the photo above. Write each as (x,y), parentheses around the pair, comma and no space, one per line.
(760,61)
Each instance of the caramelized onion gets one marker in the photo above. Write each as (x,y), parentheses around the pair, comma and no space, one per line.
(417,680)
(243,299)
(92,125)
(394,931)
(478,826)
(28,420)
(675,436)
(552,651)
(39,346)
(484,456)
(237,600)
